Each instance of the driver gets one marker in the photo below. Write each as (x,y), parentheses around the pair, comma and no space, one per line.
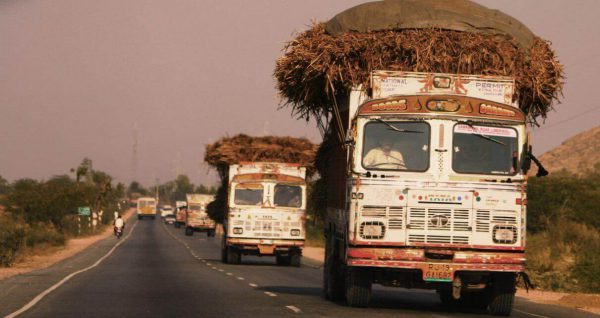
(383,157)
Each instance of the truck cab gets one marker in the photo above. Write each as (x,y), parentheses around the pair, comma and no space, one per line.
(266,212)
(431,192)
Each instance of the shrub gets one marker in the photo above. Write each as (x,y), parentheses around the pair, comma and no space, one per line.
(12,240)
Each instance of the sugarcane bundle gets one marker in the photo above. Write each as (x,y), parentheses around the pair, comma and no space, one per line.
(322,63)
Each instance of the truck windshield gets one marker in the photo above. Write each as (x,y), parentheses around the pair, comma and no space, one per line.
(248,194)
(288,196)
(144,204)
(195,207)
(484,150)
(396,145)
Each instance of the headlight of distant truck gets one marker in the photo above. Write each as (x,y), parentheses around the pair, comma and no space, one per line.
(238,230)
(505,234)
(372,230)
(295,232)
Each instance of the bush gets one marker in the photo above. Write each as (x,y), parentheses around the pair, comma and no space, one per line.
(44,233)
(12,240)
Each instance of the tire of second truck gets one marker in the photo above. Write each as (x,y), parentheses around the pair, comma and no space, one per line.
(189,231)
(358,287)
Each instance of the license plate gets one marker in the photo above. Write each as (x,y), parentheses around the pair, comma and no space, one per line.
(435,272)
(266,249)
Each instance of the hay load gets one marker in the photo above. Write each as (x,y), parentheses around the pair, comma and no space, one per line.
(321,64)
(243,148)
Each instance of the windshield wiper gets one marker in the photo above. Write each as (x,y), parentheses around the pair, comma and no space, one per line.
(470,124)
(397,129)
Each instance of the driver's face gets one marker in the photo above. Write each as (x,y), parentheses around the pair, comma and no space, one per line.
(386,144)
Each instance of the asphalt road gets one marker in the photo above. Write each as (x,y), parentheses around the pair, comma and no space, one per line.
(159,272)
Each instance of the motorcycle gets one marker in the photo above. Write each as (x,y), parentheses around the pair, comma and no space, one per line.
(118,232)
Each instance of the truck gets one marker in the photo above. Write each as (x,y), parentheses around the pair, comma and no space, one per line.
(196,217)
(428,189)
(266,209)
(146,207)
(179,213)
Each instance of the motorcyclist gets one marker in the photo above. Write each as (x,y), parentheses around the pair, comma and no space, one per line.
(119,224)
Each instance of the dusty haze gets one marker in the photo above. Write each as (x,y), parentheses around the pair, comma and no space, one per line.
(77,77)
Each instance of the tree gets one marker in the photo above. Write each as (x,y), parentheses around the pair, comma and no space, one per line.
(4,186)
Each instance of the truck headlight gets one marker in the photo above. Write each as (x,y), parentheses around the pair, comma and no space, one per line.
(295,232)
(238,230)
(372,230)
(504,234)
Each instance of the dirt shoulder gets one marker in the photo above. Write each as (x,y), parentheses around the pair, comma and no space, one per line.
(39,259)
(587,302)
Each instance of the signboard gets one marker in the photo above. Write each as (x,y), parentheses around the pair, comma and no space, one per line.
(84,211)
(494,88)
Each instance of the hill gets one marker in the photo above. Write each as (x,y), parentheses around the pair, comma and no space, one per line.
(576,154)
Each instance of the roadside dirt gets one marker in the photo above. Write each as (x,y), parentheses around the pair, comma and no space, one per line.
(587,302)
(52,255)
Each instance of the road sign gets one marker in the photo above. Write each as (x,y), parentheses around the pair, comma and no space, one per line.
(85,210)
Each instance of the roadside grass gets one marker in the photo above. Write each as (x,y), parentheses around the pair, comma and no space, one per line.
(314,234)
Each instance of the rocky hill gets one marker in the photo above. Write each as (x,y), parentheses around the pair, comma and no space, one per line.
(576,154)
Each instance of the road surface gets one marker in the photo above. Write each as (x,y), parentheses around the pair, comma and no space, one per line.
(157,271)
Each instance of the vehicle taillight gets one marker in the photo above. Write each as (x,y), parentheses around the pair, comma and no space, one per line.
(521,202)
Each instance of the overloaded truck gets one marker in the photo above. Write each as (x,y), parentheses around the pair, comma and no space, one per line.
(146,207)
(180,213)
(266,206)
(429,190)
(196,216)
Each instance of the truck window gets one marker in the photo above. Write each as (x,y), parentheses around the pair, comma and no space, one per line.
(288,196)
(484,150)
(195,207)
(248,194)
(396,145)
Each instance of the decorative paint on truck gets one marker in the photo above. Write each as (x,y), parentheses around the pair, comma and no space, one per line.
(146,207)
(428,190)
(180,213)
(266,212)
(196,217)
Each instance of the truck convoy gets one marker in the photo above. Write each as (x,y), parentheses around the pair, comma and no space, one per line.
(428,190)
(196,217)
(266,208)
(180,213)
(146,207)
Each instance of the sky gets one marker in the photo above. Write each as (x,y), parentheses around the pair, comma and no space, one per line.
(87,78)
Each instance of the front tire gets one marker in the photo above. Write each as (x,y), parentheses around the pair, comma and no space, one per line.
(503,294)
(358,288)
(233,255)
(189,231)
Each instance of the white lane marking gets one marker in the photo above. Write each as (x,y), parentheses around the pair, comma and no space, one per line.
(213,267)
(203,260)
(270,294)
(253,285)
(294,309)
(221,270)
(434,315)
(208,264)
(240,278)
(39,297)
(528,313)
(229,274)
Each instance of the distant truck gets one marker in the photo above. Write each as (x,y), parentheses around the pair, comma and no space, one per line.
(146,207)
(180,213)
(196,218)
(265,212)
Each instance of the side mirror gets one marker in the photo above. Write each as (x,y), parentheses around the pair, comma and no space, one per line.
(526,158)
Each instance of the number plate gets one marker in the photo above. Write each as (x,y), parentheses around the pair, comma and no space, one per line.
(266,249)
(435,272)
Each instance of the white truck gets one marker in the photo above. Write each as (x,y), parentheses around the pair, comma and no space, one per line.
(266,210)
(146,207)
(196,217)
(179,213)
(428,190)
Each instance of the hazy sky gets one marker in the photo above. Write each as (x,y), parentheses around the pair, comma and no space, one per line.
(76,77)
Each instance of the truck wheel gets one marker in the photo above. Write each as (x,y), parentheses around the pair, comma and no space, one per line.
(333,280)
(177,225)
(503,294)
(139,217)
(447,300)
(294,259)
(223,249)
(210,233)
(189,231)
(358,288)
(233,256)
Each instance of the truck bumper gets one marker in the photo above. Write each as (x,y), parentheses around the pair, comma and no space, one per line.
(265,246)
(410,258)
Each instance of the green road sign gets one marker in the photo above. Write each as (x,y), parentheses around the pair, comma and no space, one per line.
(85,210)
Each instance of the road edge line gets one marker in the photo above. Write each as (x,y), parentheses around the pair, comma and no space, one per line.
(43,294)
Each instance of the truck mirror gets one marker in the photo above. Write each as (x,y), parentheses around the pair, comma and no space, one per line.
(526,158)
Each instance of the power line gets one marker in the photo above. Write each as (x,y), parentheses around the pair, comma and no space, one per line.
(570,118)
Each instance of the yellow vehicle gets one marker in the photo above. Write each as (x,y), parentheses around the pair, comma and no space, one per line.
(146,207)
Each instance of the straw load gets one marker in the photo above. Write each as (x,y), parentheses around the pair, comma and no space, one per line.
(455,36)
(243,148)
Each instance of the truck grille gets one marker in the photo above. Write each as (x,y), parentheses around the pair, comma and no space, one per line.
(439,220)
(438,239)
(394,214)
(486,217)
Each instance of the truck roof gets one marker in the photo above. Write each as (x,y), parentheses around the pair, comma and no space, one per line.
(200,198)
(272,168)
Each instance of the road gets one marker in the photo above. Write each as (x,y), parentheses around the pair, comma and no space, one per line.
(159,272)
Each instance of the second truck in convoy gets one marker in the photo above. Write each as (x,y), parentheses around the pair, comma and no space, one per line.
(196,216)
(266,208)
